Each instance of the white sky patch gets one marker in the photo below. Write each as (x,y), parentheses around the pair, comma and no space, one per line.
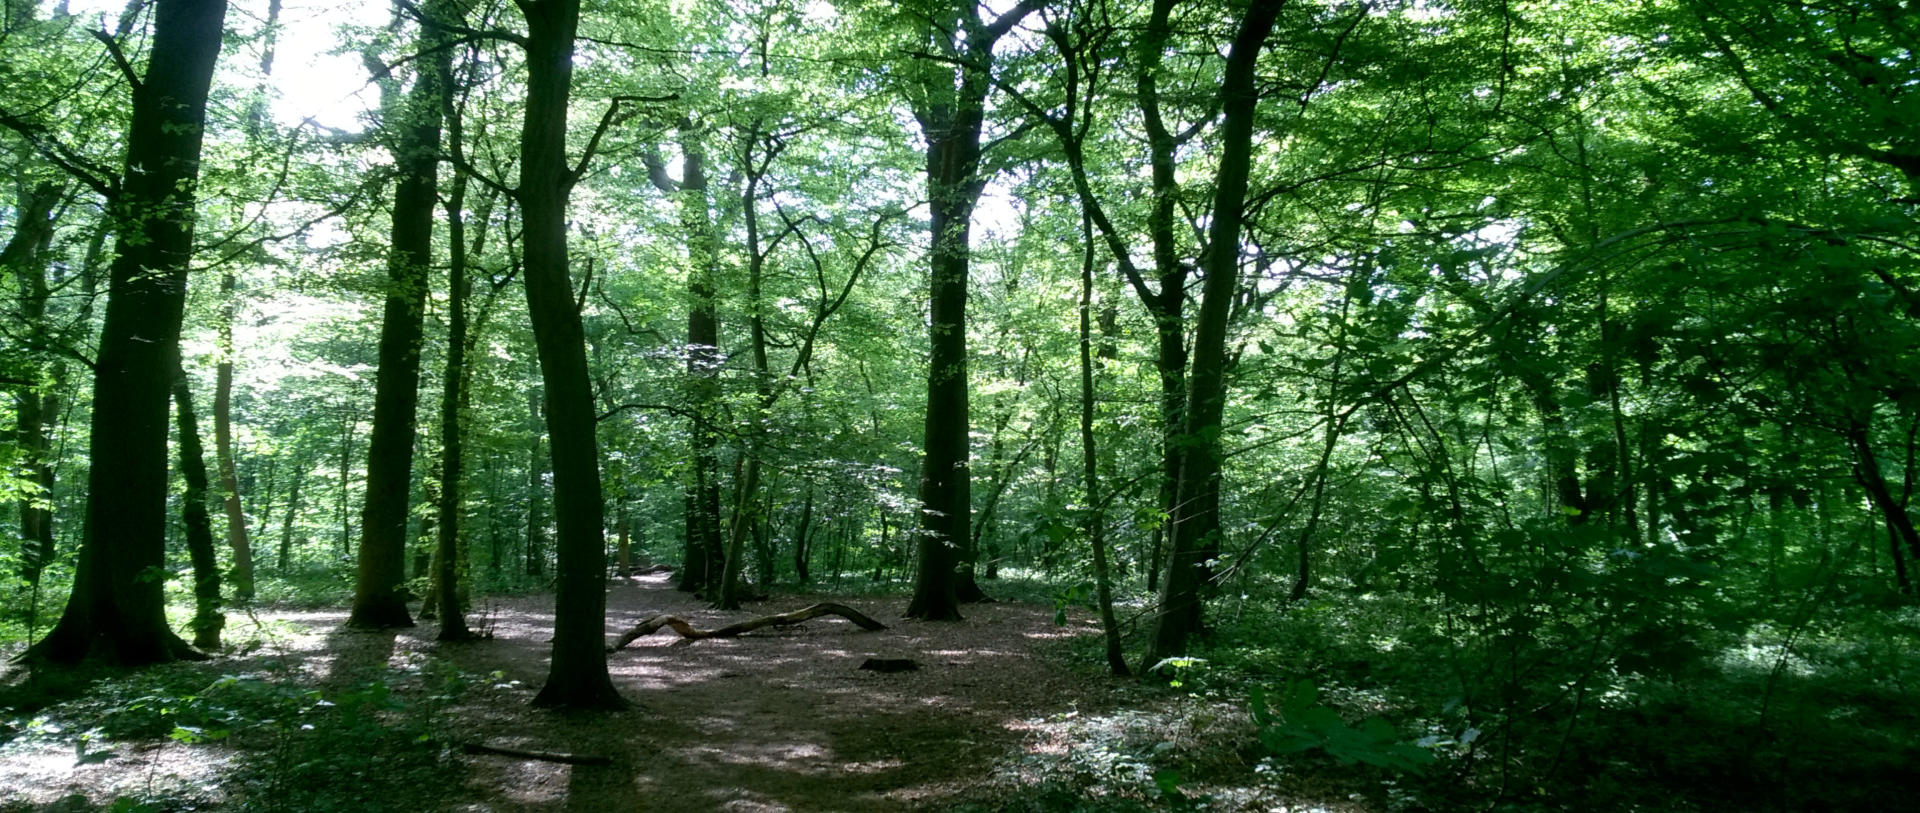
(311,83)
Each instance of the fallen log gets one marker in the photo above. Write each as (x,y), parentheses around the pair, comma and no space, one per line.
(689,633)
(543,756)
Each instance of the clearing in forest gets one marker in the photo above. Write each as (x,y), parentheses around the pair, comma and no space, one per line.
(780,719)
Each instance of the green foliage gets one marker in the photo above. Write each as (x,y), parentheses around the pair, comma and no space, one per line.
(1298,722)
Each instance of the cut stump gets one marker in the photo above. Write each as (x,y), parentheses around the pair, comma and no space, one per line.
(689,633)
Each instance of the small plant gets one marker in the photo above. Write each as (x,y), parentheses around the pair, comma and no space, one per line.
(1302,723)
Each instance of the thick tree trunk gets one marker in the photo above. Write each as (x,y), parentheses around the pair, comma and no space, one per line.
(379,600)
(207,618)
(1196,523)
(951,119)
(1168,306)
(577,676)
(703,564)
(117,608)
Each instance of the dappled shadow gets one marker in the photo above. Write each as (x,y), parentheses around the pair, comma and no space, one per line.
(780,719)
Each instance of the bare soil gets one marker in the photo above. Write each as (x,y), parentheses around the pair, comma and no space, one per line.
(778,719)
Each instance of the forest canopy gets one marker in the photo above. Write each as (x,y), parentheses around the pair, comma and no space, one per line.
(1546,369)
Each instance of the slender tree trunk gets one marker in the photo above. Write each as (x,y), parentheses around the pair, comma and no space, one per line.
(1196,523)
(1090,462)
(535,555)
(577,676)
(117,608)
(623,546)
(449,553)
(286,520)
(207,618)
(802,536)
(347,424)
(1168,305)
(23,258)
(223,449)
(1900,527)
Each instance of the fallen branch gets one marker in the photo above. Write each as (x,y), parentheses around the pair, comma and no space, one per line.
(543,756)
(689,633)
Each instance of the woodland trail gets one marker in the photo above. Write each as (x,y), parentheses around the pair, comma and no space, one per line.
(777,720)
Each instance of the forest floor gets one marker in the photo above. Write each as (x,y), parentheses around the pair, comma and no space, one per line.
(780,719)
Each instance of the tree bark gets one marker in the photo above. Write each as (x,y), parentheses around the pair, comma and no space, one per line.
(951,119)
(1090,461)
(117,608)
(23,258)
(286,520)
(448,551)
(703,564)
(379,599)
(1196,523)
(207,618)
(577,676)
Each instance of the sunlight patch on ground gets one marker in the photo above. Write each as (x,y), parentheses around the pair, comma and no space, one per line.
(797,757)
(40,770)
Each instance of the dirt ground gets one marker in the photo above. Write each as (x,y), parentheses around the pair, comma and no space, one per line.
(780,719)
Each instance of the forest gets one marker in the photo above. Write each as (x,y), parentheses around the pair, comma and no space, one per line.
(1031,405)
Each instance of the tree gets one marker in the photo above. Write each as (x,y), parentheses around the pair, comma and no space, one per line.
(116,609)
(1197,522)
(577,676)
(379,599)
(952,112)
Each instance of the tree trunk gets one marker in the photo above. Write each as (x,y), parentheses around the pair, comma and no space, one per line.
(1090,462)
(347,424)
(577,676)
(1168,306)
(223,448)
(23,258)
(117,608)
(623,546)
(802,530)
(207,618)
(286,520)
(1196,523)
(1900,527)
(703,563)
(535,558)
(448,552)
(379,600)
(951,118)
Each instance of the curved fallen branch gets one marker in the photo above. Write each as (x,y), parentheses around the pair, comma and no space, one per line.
(689,633)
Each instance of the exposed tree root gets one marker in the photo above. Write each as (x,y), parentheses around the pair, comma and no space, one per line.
(689,633)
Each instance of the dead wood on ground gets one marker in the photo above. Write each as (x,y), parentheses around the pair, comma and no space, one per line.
(689,633)
(543,756)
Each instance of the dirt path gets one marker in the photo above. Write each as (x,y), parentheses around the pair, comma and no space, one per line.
(777,720)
